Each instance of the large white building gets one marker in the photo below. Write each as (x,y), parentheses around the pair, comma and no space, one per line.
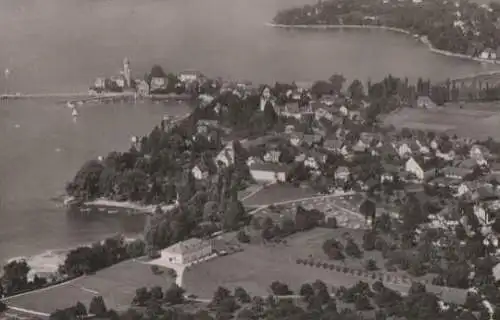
(187,252)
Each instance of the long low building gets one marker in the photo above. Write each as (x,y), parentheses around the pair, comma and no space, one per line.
(187,252)
(268,172)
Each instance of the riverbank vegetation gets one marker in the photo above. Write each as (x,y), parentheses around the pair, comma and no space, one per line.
(460,27)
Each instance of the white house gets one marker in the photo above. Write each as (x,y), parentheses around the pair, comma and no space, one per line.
(268,172)
(199,172)
(158,83)
(187,252)
(342,173)
(272,156)
(310,162)
(100,83)
(481,214)
(412,166)
(296,140)
(226,156)
(404,150)
(434,145)
(343,111)
(189,76)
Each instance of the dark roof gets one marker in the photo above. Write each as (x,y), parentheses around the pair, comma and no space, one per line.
(274,167)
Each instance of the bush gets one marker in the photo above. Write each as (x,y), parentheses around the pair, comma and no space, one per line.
(319,264)
(352,249)
(3,307)
(371,265)
(345,270)
(243,237)
(156,270)
(331,222)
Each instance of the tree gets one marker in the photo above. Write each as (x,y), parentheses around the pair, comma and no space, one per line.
(368,209)
(356,90)
(156,293)
(362,303)
(337,80)
(97,306)
(306,291)
(174,294)
(242,295)
(352,249)
(280,289)
(3,307)
(15,276)
(369,239)
(80,309)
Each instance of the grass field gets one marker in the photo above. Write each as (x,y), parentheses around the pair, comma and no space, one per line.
(116,285)
(475,120)
(259,265)
(278,193)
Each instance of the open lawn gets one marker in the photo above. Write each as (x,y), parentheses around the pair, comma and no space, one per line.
(475,120)
(258,266)
(278,193)
(116,285)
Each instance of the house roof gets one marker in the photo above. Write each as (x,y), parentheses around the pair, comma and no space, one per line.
(468,163)
(332,144)
(456,171)
(342,169)
(273,167)
(190,245)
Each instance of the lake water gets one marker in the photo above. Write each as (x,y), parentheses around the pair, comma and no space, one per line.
(62,45)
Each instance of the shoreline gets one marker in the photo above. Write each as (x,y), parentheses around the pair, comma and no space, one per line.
(422,39)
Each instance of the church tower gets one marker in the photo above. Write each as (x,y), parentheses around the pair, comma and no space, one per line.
(126,72)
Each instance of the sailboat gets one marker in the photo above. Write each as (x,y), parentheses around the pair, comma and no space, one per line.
(74,113)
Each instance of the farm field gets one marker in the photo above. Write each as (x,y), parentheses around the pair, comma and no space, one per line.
(475,120)
(278,193)
(116,284)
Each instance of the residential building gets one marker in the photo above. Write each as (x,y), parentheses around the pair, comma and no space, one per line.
(456,172)
(272,156)
(404,150)
(342,173)
(425,102)
(310,162)
(413,167)
(332,145)
(189,76)
(200,172)
(100,83)
(296,139)
(481,214)
(187,252)
(226,156)
(158,84)
(268,172)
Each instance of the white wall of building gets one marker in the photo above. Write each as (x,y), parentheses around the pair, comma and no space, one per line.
(262,175)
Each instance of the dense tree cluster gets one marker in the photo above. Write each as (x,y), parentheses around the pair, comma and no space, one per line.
(89,259)
(466,29)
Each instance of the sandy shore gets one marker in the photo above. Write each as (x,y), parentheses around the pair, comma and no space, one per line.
(422,39)
(102,202)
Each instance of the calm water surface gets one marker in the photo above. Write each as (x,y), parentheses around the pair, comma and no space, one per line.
(61,45)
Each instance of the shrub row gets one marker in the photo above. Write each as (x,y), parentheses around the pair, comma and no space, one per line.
(353,271)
